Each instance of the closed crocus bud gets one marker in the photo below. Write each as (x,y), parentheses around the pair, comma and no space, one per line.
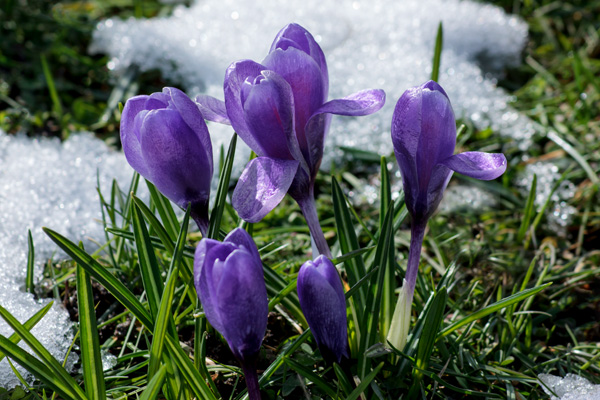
(229,280)
(424,138)
(279,108)
(324,305)
(165,139)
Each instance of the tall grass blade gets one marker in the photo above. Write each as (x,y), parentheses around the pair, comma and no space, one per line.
(38,369)
(105,278)
(59,372)
(437,54)
(153,389)
(30,264)
(221,197)
(91,363)
(492,308)
(529,210)
(147,260)
(388,296)
(29,324)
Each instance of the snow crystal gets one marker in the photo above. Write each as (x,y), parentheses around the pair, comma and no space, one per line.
(47,183)
(571,387)
(368,44)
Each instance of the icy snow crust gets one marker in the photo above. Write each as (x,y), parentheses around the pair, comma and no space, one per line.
(384,44)
(571,387)
(46,183)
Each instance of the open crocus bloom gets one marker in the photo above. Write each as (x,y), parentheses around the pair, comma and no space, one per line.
(424,138)
(280,109)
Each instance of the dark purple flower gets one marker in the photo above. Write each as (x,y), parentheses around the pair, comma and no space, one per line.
(424,138)
(229,280)
(280,109)
(166,140)
(324,305)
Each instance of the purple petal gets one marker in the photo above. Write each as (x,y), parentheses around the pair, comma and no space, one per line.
(243,303)
(357,104)
(438,134)
(478,165)
(203,279)
(130,134)
(304,76)
(294,35)
(269,114)
(212,109)
(239,74)
(241,238)
(430,199)
(192,116)
(323,304)
(262,186)
(176,157)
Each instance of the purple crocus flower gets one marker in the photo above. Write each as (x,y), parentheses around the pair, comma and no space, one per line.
(323,303)
(424,138)
(280,109)
(165,139)
(229,280)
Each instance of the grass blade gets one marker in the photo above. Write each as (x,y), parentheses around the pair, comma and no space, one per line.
(147,260)
(364,383)
(57,370)
(433,319)
(165,210)
(355,268)
(30,264)
(311,376)
(29,324)
(38,369)
(105,278)
(492,308)
(388,295)
(437,53)
(529,210)
(153,389)
(187,369)
(91,363)
(221,197)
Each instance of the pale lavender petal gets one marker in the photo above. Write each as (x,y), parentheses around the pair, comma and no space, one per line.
(130,133)
(238,74)
(242,302)
(212,109)
(478,165)
(262,186)
(361,103)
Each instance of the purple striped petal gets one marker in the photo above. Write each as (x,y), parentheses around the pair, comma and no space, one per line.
(478,165)
(212,109)
(262,186)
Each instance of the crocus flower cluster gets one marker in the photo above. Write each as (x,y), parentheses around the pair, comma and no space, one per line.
(424,138)
(165,139)
(229,280)
(280,109)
